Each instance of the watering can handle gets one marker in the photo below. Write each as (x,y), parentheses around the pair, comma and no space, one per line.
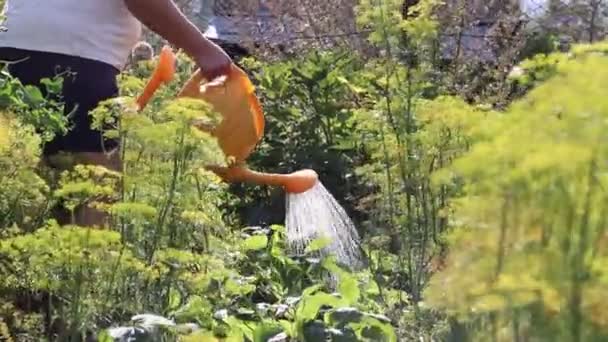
(163,73)
(192,88)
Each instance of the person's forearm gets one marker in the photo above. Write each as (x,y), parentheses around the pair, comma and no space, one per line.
(164,18)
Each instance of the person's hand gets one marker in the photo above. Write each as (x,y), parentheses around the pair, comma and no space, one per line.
(213,61)
(231,174)
(165,18)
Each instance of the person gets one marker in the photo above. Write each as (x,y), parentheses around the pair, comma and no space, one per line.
(89,42)
(142,51)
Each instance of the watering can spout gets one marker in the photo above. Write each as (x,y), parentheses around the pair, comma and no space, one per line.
(294,183)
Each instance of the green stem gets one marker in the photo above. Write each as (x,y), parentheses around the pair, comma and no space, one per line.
(579,267)
(170,197)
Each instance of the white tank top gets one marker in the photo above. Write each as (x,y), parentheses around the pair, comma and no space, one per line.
(102,30)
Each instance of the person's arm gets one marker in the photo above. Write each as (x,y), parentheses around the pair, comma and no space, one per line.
(164,18)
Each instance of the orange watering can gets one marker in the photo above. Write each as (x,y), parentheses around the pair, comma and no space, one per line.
(242,125)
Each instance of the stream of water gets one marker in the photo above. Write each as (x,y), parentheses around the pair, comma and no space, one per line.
(316,214)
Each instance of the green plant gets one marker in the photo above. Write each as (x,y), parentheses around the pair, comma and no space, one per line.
(309,104)
(535,198)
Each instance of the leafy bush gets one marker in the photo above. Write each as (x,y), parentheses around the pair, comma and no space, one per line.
(535,199)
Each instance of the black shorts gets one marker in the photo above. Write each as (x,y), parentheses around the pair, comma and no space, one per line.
(88,83)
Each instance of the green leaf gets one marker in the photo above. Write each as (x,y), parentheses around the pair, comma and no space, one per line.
(255,243)
(234,287)
(349,289)
(352,87)
(174,299)
(194,308)
(329,263)
(265,331)
(309,306)
(53,86)
(376,330)
(317,244)
(372,288)
(288,327)
(199,337)
(33,96)
(278,228)
(104,336)
(239,328)
(132,210)
(6,99)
